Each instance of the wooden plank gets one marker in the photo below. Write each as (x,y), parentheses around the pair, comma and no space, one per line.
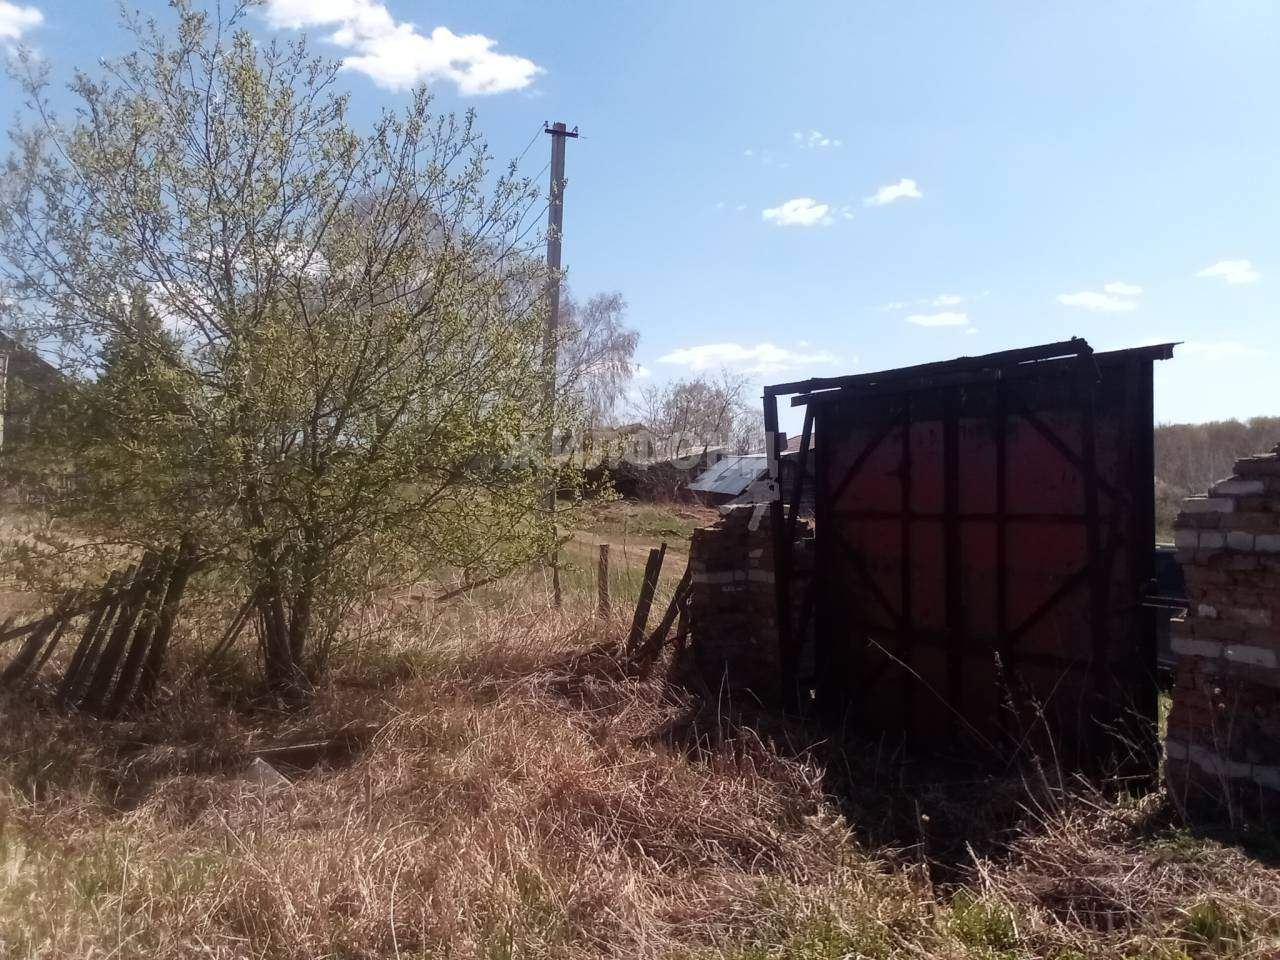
(790,641)
(9,632)
(802,463)
(774,447)
(1048,351)
(1099,574)
(63,623)
(653,645)
(104,673)
(953,561)
(151,669)
(1004,646)
(55,624)
(905,529)
(652,570)
(20,664)
(229,637)
(141,642)
(87,649)
(830,658)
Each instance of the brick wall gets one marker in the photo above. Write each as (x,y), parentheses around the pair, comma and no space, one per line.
(1223,743)
(733,603)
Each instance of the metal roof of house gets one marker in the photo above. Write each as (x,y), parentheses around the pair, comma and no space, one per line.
(732,475)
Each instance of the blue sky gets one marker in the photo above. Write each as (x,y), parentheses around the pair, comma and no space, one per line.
(829,187)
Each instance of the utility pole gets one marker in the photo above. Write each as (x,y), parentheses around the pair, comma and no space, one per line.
(555,229)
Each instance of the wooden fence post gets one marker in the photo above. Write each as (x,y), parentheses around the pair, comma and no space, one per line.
(602,583)
(652,570)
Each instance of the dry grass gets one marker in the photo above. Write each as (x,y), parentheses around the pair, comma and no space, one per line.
(21,529)
(1125,874)
(518,803)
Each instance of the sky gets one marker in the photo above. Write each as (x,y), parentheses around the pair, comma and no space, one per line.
(820,188)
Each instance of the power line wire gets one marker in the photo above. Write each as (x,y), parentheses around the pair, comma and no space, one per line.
(532,141)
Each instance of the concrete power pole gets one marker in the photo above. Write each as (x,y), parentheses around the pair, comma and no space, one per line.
(555,229)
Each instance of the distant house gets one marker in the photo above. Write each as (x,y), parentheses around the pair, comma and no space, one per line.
(633,441)
(27,386)
(640,464)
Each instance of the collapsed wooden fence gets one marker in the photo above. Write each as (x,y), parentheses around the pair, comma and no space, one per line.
(124,628)
(642,651)
(125,625)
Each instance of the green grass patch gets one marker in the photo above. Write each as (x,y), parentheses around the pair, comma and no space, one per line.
(623,520)
(988,928)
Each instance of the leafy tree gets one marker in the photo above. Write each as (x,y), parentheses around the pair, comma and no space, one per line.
(316,350)
(133,387)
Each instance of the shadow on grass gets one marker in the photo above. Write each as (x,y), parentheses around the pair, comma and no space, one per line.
(948,814)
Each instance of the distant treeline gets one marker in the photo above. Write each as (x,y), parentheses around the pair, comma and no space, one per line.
(1191,456)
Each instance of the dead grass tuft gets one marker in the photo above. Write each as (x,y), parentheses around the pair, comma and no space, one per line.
(1131,876)
(527,796)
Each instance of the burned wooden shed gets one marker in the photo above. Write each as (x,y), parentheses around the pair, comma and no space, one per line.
(983,545)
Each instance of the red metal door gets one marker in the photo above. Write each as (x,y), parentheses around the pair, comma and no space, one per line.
(984,541)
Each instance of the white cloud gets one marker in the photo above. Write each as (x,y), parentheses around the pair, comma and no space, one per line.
(904,188)
(1116,297)
(814,139)
(1120,288)
(1221,349)
(1092,300)
(1232,271)
(800,212)
(748,152)
(396,56)
(947,318)
(942,300)
(16,20)
(762,358)
(640,371)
